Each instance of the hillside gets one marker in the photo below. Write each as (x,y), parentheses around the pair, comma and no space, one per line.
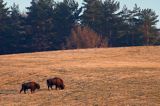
(93,77)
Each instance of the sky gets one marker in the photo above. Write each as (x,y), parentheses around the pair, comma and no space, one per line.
(152,4)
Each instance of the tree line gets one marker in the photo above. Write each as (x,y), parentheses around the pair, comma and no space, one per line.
(49,25)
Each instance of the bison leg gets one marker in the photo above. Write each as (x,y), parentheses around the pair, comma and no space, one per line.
(60,87)
(48,87)
(56,87)
(25,91)
(21,90)
(32,90)
(51,88)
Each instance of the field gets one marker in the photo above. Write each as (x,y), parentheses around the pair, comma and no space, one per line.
(92,77)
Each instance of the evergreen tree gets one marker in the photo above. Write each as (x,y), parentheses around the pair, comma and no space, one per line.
(40,24)
(134,24)
(66,15)
(49,25)
(130,34)
(19,38)
(4,27)
(111,20)
(123,38)
(15,22)
(102,17)
(148,25)
(92,15)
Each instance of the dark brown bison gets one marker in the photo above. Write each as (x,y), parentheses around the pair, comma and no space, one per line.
(58,82)
(30,85)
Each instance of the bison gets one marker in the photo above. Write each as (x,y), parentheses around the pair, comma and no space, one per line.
(58,82)
(30,85)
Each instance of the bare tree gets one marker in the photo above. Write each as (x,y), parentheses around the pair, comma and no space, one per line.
(84,37)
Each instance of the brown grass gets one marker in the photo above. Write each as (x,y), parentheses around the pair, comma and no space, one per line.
(93,77)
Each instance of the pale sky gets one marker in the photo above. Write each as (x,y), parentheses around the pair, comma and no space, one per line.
(152,4)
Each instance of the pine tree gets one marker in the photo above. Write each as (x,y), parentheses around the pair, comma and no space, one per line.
(148,24)
(40,24)
(66,16)
(18,34)
(130,34)
(4,27)
(92,15)
(102,17)
(110,20)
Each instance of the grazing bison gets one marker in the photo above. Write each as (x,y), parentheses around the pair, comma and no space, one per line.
(30,85)
(55,81)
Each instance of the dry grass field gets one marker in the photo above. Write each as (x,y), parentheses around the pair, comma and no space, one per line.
(92,77)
